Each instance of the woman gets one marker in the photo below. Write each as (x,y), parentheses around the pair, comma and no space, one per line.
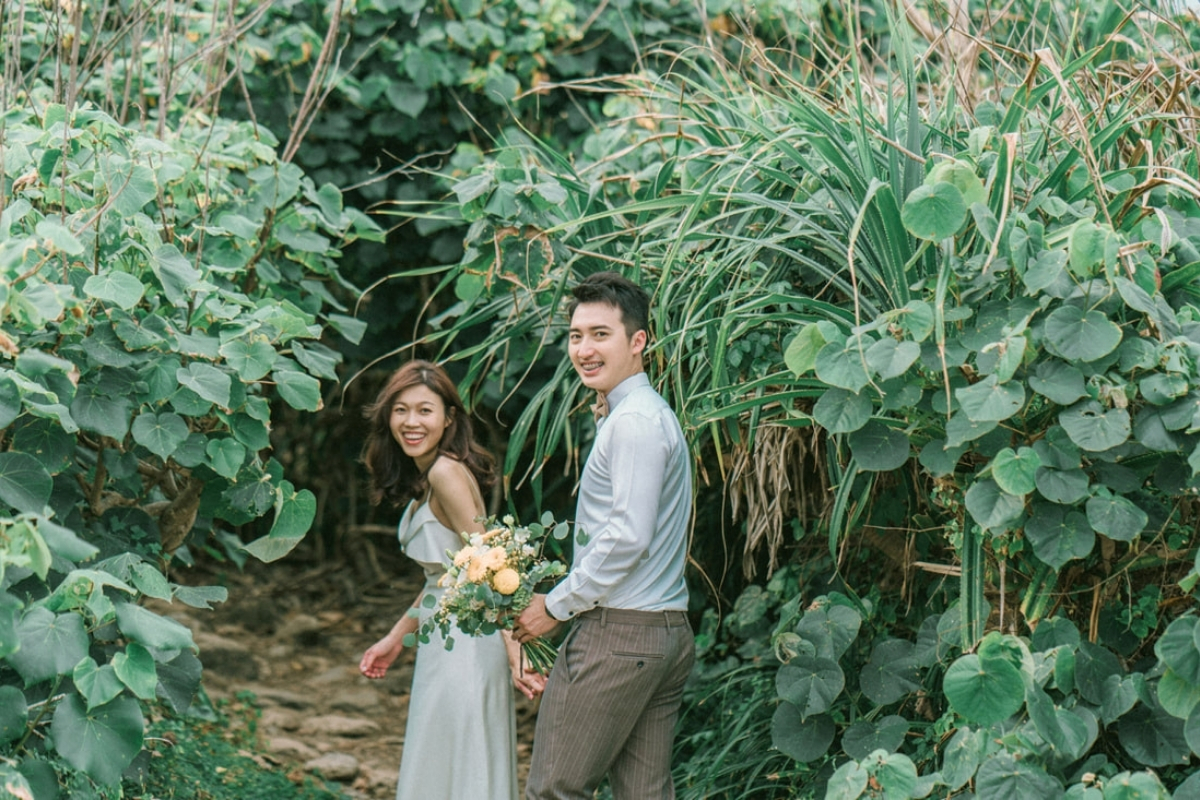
(460,739)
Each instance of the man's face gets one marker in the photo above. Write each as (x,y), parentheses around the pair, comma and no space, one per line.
(601,351)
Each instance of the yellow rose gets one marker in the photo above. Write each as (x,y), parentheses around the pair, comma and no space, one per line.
(506,581)
(493,533)
(476,571)
(495,558)
(463,556)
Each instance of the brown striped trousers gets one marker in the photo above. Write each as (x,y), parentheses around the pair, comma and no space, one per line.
(611,705)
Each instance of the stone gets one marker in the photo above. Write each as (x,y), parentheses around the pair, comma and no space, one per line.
(356,700)
(290,749)
(282,697)
(336,725)
(226,657)
(334,766)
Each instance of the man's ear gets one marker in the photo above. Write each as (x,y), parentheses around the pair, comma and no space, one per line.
(638,341)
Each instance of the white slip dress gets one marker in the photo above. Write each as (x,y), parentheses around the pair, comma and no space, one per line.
(460,742)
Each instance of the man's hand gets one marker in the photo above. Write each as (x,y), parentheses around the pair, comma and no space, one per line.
(534,621)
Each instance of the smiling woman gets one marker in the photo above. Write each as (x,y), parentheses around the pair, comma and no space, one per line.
(417,419)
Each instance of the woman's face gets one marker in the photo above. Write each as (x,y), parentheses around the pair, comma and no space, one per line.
(418,422)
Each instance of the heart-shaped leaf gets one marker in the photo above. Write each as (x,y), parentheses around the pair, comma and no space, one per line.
(803,739)
(878,448)
(934,212)
(984,691)
(991,401)
(1077,335)
(864,737)
(102,741)
(810,683)
(842,411)
(1014,471)
(990,506)
(1058,534)
(1115,516)
(1095,428)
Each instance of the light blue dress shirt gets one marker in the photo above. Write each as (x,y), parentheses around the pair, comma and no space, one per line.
(635,505)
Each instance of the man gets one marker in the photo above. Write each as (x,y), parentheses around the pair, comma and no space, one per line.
(613,696)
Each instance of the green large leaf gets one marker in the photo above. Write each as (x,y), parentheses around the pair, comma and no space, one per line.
(847,782)
(1120,694)
(1087,246)
(1002,777)
(892,672)
(842,411)
(24,483)
(991,401)
(803,739)
(102,413)
(984,691)
(810,683)
(14,713)
(1115,516)
(864,737)
(801,353)
(161,434)
(51,645)
(135,668)
(250,358)
(1094,665)
(1058,534)
(1065,486)
(879,448)
(10,400)
(297,389)
(934,212)
(102,741)
(962,176)
(1077,335)
(1177,696)
(294,512)
(843,364)
(119,288)
(175,273)
(990,506)
(1014,472)
(1191,731)
(1179,648)
(206,381)
(179,679)
(1058,381)
(962,756)
(97,684)
(1153,737)
(1095,428)
(226,456)
(831,629)
(151,630)
(890,358)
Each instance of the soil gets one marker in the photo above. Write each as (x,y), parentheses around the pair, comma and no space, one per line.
(292,634)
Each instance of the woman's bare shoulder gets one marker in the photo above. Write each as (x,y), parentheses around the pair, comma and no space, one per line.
(448,472)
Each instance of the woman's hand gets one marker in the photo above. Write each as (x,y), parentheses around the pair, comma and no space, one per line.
(529,683)
(380,656)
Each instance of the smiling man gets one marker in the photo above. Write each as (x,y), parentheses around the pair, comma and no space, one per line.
(613,696)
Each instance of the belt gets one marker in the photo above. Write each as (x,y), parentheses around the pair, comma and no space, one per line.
(628,616)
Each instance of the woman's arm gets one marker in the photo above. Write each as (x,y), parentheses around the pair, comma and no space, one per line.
(528,682)
(382,654)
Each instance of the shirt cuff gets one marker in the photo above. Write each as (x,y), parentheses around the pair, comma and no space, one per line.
(554,612)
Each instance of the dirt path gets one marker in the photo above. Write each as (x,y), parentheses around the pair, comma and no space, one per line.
(292,634)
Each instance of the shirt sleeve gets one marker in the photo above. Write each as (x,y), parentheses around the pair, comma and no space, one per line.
(637,459)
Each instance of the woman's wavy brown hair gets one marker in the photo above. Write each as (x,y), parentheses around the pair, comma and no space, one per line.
(394,475)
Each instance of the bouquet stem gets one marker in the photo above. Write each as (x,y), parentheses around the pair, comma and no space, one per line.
(540,654)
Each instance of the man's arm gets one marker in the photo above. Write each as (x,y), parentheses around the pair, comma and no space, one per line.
(637,461)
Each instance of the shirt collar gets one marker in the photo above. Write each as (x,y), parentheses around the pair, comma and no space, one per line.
(622,389)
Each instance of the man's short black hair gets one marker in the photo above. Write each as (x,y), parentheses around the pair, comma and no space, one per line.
(614,289)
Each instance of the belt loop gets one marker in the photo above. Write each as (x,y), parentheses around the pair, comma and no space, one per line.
(603,616)
(667,618)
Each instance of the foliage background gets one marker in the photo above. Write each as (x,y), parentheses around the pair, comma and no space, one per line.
(925,301)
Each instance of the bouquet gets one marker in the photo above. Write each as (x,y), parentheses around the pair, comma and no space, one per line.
(492,580)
